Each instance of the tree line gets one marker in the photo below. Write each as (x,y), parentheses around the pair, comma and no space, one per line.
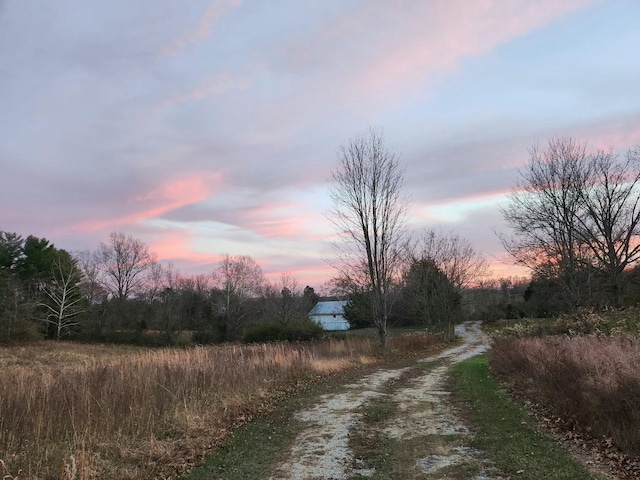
(574,217)
(121,293)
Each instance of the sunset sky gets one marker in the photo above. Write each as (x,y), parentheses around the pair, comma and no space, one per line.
(212,127)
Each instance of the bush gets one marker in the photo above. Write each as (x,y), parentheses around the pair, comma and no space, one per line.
(415,341)
(586,322)
(594,382)
(297,331)
(23,331)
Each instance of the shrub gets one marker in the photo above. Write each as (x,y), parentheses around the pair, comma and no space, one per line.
(129,413)
(594,382)
(414,341)
(583,323)
(296,331)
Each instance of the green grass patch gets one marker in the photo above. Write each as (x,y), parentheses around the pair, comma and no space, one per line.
(249,454)
(506,431)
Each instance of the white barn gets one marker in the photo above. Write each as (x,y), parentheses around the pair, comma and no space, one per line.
(330,315)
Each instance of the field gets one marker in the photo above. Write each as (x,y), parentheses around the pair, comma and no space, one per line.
(91,411)
(581,372)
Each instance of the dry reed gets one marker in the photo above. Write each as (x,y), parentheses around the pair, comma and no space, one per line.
(592,381)
(143,414)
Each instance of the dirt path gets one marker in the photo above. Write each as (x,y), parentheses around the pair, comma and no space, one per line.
(391,424)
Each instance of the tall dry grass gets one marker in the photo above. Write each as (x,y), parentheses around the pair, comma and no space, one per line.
(592,380)
(142,414)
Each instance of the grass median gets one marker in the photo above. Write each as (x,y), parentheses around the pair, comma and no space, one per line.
(504,430)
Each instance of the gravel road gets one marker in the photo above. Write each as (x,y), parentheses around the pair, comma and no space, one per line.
(421,411)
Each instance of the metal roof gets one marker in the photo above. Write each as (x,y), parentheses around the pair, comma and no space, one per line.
(335,307)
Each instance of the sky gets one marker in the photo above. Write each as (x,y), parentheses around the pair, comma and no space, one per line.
(206,128)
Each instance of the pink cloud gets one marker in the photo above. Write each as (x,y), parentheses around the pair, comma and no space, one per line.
(310,273)
(203,30)
(403,43)
(220,83)
(279,220)
(621,134)
(445,32)
(174,245)
(500,269)
(171,195)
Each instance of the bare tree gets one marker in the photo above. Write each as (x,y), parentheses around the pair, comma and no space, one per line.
(239,279)
(610,222)
(454,256)
(63,296)
(575,217)
(289,298)
(369,215)
(124,262)
(90,285)
(543,213)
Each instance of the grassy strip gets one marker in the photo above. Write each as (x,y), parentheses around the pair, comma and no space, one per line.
(369,444)
(505,431)
(256,447)
(249,454)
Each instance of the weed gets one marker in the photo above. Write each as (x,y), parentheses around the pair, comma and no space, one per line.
(97,412)
(594,382)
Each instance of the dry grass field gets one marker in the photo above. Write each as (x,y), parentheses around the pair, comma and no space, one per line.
(70,411)
(590,381)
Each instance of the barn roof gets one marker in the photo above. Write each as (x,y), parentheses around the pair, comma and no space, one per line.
(335,307)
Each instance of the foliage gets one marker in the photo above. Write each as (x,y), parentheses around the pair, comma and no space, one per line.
(358,311)
(590,381)
(431,299)
(587,322)
(38,289)
(295,331)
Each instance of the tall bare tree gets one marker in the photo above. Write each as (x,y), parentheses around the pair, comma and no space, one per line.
(575,217)
(124,263)
(89,264)
(239,279)
(368,213)
(610,222)
(543,213)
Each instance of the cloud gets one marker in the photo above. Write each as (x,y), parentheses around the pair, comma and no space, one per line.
(168,196)
(203,29)
(220,83)
(392,49)
(443,33)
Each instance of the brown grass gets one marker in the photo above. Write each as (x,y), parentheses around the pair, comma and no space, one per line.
(80,412)
(414,341)
(592,381)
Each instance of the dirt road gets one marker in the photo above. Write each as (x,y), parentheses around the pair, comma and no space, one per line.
(392,423)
